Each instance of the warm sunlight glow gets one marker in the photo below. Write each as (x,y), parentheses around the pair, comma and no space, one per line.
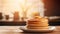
(24,7)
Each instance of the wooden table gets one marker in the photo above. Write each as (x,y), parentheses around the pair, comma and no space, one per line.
(16,30)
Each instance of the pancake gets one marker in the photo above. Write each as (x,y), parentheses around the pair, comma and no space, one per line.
(37,23)
(37,27)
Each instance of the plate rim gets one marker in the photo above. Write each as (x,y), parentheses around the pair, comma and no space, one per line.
(24,28)
(40,31)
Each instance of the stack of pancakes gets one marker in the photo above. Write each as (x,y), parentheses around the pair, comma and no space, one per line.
(37,23)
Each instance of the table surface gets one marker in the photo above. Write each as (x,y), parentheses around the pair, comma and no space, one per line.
(16,30)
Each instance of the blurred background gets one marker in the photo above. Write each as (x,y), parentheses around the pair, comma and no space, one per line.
(11,9)
(53,7)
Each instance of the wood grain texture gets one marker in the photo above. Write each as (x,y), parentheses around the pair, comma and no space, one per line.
(11,28)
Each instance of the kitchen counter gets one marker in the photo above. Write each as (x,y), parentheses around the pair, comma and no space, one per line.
(11,22)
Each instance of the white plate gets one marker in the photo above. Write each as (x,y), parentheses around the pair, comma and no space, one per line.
(51,28)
